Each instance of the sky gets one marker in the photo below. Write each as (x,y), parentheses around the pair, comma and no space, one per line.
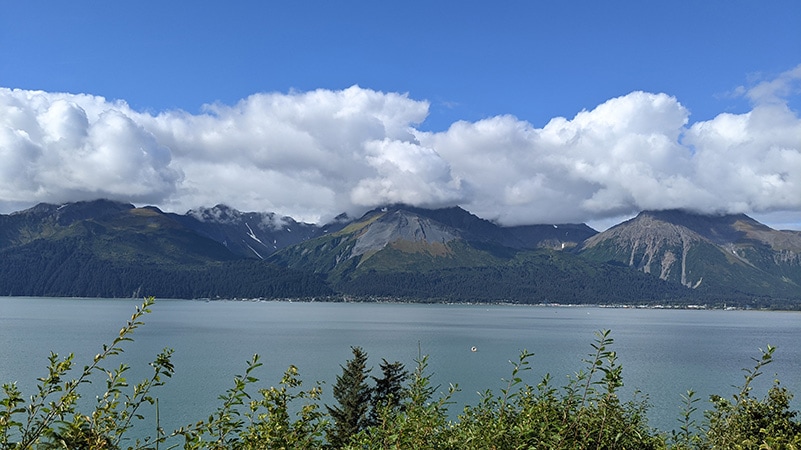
(520,112)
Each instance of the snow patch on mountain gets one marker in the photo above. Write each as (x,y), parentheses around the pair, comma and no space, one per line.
(252,235)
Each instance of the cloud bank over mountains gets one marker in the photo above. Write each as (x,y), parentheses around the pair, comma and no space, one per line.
(313,155)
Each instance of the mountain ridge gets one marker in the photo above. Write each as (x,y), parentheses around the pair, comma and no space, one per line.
(690,248)
(445,254)
(113,249)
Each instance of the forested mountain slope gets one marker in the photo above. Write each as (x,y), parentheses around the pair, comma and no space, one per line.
(112,249)
(407,253)
(109,249)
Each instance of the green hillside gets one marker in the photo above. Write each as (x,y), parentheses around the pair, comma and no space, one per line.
(130,252)
(110,249)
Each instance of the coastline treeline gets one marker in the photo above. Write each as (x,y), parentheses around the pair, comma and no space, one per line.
(394,409)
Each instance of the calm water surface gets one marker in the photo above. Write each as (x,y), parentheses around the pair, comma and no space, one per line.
(663,352)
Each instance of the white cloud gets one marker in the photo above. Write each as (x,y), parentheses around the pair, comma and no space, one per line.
(313,155)
(406,173)
(309,155)
(59,147)
(774,90)
(622,156)
(628,154)
(752,162)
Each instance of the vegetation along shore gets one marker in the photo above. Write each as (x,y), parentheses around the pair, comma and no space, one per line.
(397,408)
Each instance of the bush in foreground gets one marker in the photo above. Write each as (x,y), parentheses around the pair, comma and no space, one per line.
(402,411)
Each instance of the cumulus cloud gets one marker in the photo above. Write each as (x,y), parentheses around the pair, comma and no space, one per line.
(309,155)
(406,173)
(752,162)
(57,147)
(622,156)
(634,152)
(312,155)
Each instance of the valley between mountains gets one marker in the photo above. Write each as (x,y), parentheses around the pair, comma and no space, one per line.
(103,248)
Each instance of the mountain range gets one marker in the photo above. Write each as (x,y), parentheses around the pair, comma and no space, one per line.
(110,249)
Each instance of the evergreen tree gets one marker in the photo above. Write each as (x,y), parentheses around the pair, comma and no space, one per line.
(352,394)
(388,390)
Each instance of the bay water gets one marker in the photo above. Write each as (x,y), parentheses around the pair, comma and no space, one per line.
(663,352)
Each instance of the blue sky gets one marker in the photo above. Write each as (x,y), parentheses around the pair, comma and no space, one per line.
(466,95)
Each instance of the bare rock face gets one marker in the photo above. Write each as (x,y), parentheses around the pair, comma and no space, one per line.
(398,227)
(652,245)
(696,250)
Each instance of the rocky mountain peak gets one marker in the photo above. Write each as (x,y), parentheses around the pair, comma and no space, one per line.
(698,249)
(651,242)
(719,256)
(397,225)
(718,228)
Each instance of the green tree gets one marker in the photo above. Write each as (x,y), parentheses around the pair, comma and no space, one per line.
(389,390)
(352,394)
(420,422)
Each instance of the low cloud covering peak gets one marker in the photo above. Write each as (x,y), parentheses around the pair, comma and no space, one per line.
(312,155)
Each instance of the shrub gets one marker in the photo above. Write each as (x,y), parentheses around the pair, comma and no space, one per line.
(402,411)
(750,423)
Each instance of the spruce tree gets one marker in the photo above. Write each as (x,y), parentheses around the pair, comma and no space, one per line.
(352,394)
(389,389)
